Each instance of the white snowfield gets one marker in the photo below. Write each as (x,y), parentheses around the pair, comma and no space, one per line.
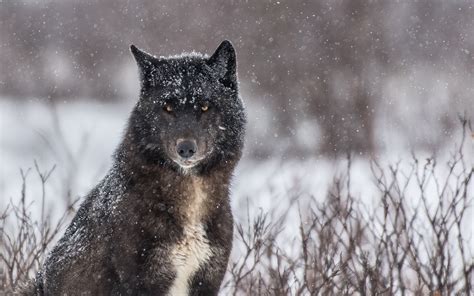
(79,139)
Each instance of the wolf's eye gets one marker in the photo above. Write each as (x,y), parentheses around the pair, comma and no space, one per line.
(205,107)
(168,108)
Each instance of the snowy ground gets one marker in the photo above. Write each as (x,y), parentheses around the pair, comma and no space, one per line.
(80,137)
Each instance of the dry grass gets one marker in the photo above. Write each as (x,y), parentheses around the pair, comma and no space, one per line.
(414,242)
(411,242)
(24,241)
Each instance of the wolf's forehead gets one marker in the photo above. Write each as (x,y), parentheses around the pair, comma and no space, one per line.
(183,76)
(183,94)
(186,93)
(186,84)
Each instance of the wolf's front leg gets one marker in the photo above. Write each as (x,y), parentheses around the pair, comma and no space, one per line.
(208,278)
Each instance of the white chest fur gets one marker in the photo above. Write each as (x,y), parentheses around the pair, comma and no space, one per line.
(193,249)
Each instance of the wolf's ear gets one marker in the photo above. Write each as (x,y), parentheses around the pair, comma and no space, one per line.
(144,61)
(223,62)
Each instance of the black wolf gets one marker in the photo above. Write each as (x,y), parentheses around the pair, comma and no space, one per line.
(160,222)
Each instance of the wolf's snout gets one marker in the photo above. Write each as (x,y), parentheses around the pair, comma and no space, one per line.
(186,148)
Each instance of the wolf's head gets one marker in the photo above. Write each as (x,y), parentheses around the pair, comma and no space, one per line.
(189,116)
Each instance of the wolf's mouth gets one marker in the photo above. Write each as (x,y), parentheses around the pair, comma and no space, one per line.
(191,162)
(187,164)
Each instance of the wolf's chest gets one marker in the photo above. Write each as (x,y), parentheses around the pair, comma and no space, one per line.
(193,250)
(187,256)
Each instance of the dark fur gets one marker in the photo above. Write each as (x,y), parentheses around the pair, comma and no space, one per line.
(120,239)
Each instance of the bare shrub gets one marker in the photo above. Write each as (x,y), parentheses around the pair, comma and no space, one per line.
(414,239)
(23,240)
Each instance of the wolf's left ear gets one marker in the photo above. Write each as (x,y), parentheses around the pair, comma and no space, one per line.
(223,62)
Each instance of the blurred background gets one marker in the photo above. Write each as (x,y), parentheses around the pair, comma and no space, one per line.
(320,79)
(317,76)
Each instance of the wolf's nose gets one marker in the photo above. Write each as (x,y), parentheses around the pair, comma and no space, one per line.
(186,148)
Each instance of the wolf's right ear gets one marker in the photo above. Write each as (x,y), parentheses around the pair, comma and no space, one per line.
(144,60)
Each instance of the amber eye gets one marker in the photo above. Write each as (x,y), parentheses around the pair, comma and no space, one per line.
(205,107)
(168,108)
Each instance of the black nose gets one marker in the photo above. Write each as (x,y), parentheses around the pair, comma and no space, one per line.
(186,148)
